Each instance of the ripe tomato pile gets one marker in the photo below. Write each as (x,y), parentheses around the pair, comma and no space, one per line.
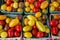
(36,6)
(55,5)
(10,27)
(35,26)
(12,6)
(55,25)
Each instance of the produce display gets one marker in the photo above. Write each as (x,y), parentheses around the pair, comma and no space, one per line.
(55,5)
(55,25)
(35,26)
(12,6)
(33,6)
(10,27)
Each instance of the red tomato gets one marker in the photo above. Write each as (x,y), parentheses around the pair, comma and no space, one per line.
(18,28)
(40,34)
(2,23)
(54,30)
(58,8)
(8,2)
(13,29)
(31,1)
(58,16)
(34,32)
(10,33)
(34,27)
(37,4)
(35,10)
(53,23)
(40,1)
(17,34)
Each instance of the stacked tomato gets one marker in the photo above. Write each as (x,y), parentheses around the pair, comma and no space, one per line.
(10,27)
(35,26)
(55,25)
(55,5)
(12,6)
(36,6)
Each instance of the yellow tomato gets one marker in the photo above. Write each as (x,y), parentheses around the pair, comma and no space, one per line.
(4,35)
(3,7)
(55,4)
(15,4)
(27,9)
(31,6)
(52,8)
(31,22)
(38,14)
(44,5)
(44,11)
(27,34)
(26,21)
(27,4)
(8,20)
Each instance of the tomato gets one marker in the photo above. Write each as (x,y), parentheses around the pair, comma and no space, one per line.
(31,1)
(53,23)
(35,10)
(58,8)
(54,30)
(37,4)
(8,2)
(34,27)
(18,28)
(9,9)
(40,1)
(10,33)
(34,32)
(40,34)
(2,23)
(17,34)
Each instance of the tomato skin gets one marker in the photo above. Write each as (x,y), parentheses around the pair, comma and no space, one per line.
(8,2)
(18,28)
(53,23)
(54,30)
(17,34)
(34,27)
(34,32)
(10,33)
(40,34)
(2,23)
(37,4)
(35,10)
(40,1)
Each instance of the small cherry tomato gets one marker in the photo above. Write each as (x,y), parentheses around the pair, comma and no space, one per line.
(40,34)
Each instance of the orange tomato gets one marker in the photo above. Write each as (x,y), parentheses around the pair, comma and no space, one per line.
(9,8)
